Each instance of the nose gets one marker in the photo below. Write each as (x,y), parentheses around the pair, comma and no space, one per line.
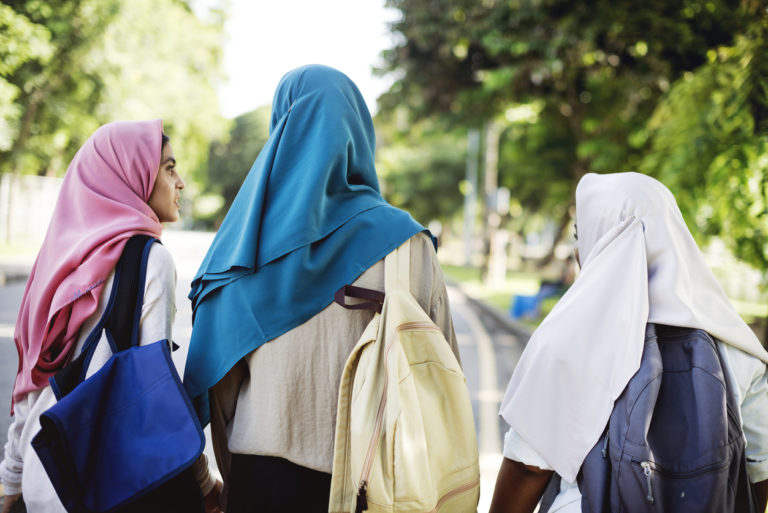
(179,183)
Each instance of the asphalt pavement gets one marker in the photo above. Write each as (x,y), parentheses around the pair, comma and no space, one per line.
(490,345)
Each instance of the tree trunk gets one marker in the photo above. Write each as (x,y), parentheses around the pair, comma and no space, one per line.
(470,197)
(20,143)
(562,229)
(579,169)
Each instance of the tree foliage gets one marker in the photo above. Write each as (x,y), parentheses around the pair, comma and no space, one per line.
(72,65)
(51,82)
(574,84)
(420,166)
(232,157)
(710,144)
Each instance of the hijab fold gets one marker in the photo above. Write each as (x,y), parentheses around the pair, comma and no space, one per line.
(640,264)
(308,219)
(102,203)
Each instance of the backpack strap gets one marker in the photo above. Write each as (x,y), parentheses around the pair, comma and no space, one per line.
(397,268)
(120,319)
(397,272)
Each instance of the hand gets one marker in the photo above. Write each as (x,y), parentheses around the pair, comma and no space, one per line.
(211,500)
(10,500)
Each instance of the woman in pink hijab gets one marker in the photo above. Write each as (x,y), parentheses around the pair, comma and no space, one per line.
(122,182)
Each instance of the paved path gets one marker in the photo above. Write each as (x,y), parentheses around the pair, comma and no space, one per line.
(490,347)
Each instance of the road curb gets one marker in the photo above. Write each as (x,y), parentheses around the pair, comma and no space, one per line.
(11,274)
(521,332)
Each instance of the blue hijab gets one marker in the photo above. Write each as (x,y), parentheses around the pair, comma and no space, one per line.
(308,219)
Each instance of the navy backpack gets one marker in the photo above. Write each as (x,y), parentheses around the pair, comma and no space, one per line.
(674,441)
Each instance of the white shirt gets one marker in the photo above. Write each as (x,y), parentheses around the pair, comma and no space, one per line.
(21,470)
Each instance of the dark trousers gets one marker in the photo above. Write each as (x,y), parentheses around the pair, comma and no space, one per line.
(275,485)
(179,495)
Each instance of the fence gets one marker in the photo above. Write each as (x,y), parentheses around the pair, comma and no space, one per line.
(26,206)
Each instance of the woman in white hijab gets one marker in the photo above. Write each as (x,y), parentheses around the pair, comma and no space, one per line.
(639,264)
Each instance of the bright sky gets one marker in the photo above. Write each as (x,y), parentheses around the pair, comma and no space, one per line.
(267,38)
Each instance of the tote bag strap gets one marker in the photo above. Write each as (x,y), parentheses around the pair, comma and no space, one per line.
(123,321)
(121,316)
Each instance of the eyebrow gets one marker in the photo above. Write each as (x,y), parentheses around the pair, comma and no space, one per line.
(167,160)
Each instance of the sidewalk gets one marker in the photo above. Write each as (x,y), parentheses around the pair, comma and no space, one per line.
(16,264)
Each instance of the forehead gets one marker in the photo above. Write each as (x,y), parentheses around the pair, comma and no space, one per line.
(167,152)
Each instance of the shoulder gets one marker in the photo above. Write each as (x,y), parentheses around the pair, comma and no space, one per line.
(741,362)
(422,242)
(423,255)
(160,257)
(747,370)
(427,279)
(160,267)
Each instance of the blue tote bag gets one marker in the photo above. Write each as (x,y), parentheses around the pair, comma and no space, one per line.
(128,429)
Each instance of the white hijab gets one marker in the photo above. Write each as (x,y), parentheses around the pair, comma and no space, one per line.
(639,264)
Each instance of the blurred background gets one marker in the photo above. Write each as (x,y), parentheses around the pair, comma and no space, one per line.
(487,113)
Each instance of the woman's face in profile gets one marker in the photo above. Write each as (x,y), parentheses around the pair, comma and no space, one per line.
(165,200)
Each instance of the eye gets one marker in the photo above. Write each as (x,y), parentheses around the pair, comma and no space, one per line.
(575,232)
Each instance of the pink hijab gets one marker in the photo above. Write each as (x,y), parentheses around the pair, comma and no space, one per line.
(102,203)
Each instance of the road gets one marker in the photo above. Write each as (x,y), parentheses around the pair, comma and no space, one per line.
(489,351)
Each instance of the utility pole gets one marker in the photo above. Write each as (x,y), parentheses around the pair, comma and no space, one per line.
(470,194)
(492,219)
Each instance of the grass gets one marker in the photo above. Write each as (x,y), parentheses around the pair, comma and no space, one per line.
(500,295)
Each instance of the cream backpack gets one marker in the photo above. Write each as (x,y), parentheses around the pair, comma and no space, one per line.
(405,434)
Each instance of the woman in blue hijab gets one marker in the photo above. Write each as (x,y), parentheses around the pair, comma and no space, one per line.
(268,344)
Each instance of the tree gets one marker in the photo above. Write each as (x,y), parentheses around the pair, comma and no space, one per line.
(231,158)
(168,69)
(53,85)
(709,144)
(594,72)
(420,167)
(88,62)
(21,41)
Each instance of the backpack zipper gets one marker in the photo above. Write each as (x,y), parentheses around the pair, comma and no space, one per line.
(604,452)
(361,503)
(647,471)
(650,467)
(456,491)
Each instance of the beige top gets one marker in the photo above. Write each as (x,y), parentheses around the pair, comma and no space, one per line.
(280,400)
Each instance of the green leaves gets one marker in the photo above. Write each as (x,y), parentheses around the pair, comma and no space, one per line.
(677,89)
(68,66)
(710,146)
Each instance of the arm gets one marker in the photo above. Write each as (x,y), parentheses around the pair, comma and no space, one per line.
(210,487)
(11,466)
(159,308)
(10,501)
(752,378)
(223,400)
(157,316)
(518,487)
